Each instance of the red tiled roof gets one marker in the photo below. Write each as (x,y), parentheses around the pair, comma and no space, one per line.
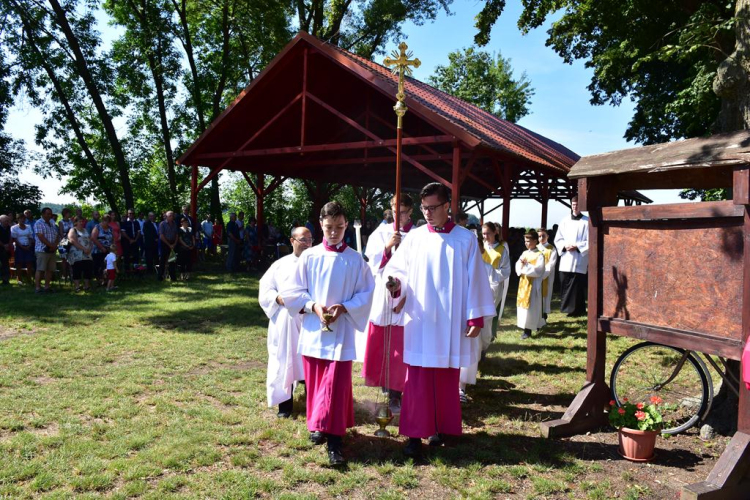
(490,130)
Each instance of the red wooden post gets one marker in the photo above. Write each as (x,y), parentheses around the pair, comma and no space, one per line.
(259,199)
(741,188)
(194,193)
(507,192)
(304,100)
(545,203)
(456,181)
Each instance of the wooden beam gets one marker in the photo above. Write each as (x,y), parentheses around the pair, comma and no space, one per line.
(255,188)
(375,137)
(741,185)
(705,210)
(211,175)
(340,146)
(270,122)
(303,120)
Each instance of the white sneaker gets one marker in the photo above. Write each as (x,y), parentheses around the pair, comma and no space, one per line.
(462,397)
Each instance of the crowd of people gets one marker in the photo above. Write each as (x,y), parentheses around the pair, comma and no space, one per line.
(92,251)
(417,309)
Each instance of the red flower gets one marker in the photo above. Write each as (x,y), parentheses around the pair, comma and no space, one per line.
(656,400)
(612,403)
(621,411)
(640,406)
(640,415)
(624,400)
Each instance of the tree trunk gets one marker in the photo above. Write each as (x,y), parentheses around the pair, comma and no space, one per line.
(88,80)
(732,85)
(166,136)
(96,169)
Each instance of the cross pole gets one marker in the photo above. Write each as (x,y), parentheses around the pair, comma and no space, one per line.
(401,64)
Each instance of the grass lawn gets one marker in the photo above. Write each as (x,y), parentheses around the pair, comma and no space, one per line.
(158,391)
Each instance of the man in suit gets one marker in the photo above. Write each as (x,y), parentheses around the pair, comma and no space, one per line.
(151,241)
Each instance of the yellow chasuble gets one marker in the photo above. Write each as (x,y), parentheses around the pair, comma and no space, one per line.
(547,252)
(524,283)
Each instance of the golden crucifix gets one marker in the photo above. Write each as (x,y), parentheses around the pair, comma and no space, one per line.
(401,64)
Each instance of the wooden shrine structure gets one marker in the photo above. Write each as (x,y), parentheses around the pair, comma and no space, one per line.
(325,115)
(638,288)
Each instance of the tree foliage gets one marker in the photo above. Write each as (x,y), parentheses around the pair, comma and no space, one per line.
(486,81)
(364,27)
(662,55)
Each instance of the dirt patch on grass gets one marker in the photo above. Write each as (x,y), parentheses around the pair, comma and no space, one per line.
(7,332)
(243,366)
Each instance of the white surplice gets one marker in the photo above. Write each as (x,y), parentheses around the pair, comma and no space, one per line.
(327,278)
(549,275)
(505,267)
(374,253)
(443,277)
(572,232)
(494,278)
(284,363)
(532,317)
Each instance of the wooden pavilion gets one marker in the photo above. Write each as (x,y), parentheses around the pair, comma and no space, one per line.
(324,115)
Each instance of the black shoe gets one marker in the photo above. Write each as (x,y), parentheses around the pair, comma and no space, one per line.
(335,458)
(435,440)
(526,334)
(544,316)
(286,408)
(317,437)
(413,448)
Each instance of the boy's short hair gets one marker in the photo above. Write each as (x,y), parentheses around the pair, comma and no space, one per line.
(531,234)
(113,248)
(442,192)
(405,201)
(542,230)
(462,216)
(332,209)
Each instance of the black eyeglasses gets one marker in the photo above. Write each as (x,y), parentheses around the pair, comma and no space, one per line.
(431,208)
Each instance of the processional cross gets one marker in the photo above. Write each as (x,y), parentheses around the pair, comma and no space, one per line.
(402,64)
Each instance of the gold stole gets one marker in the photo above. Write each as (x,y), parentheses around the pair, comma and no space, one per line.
(523,299)
(492,257)
(547,252)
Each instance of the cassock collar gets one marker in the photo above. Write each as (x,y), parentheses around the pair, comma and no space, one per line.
(406,228)
(445,229)
(338,248)
(576,217)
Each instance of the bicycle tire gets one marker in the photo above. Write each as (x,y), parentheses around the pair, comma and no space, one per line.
(687,398)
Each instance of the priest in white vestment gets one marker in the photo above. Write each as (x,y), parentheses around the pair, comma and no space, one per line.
(530,268)
(439,271)
(550,258)
(385,330)
(572,242)
(334,286)
(284,363)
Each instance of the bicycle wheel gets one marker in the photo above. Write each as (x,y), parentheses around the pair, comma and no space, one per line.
(643,371)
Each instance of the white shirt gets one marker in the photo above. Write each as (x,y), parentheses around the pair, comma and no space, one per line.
(573,233)
(445,282)
(110,259)
(327,278)
(22,236)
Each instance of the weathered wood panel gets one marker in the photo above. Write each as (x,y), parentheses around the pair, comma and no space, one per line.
(687,278)
(709,209)
(722,149)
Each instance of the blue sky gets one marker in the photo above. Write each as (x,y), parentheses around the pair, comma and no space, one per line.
(560,106)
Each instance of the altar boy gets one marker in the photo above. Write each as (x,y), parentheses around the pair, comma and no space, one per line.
(334,286)
(530,268)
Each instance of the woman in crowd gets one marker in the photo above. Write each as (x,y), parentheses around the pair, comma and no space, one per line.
(23,239)
(217,234)
(64,227)
(79,254)
(185,245)
(103,238)
(114,223)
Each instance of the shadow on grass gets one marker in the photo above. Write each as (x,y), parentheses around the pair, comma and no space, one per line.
(508,366)
(502,449)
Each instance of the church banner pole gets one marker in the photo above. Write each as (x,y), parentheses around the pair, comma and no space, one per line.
(402,64)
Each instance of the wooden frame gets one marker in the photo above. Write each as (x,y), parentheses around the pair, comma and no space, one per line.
(719,161)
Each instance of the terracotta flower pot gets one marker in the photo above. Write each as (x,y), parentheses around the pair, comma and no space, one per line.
(636,445)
